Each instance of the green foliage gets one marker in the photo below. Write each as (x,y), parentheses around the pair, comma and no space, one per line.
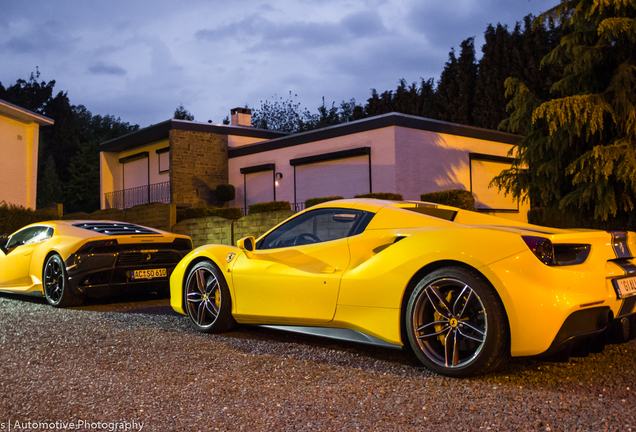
(182,114)
(579,149)
(455,93)
(225,192)
(313,201)
(269,206)
(459,198)
(13,217)
(199,212)
(80,190)
(382,195)
(280,115)
(68,156)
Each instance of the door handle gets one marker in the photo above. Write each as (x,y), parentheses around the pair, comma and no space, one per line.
(329,269)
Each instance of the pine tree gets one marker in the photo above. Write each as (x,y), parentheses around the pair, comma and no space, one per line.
(580,144)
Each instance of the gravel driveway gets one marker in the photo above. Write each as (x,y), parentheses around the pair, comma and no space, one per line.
(126,365)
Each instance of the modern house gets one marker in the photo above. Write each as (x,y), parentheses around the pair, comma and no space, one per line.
(182,162)
(19,136)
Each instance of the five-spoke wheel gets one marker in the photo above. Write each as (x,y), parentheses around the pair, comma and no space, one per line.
(207,299)
(455,324)
(56,289)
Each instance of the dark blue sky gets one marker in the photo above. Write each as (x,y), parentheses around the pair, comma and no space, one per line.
(139,60)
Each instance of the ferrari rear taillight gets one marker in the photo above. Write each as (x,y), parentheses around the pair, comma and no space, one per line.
(541,247)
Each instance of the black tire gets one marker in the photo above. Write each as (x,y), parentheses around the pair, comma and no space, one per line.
(456,324)
(56,289)
(207,299)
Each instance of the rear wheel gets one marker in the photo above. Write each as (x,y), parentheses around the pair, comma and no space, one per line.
(56,289)
(456,324)
(207,299)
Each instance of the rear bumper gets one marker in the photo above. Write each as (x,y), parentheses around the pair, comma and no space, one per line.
(108,274)
(589,330)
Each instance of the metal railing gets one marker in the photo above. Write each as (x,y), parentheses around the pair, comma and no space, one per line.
(126,198)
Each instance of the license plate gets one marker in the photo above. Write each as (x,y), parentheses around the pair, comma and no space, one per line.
(149,274)
(625,287)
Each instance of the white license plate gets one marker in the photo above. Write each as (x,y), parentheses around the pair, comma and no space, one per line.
(625,287)
(149,274)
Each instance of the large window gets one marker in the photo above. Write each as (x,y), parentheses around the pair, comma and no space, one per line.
(317,226)
(483,168)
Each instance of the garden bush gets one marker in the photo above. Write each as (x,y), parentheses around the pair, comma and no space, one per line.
(313,201)
(460,198)
(383,196)
(269,206)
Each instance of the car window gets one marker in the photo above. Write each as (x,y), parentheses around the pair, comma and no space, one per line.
(317,226)
(30,235)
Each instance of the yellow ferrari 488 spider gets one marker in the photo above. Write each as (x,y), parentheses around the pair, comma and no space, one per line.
(464,290)
(68,260)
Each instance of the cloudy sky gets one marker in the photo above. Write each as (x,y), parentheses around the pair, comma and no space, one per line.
(140,59)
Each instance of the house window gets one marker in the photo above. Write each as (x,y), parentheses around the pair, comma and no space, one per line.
(164,160)
(483,168)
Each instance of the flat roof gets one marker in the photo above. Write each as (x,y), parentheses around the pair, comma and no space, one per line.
(160,131)
(10,110)
(372,123)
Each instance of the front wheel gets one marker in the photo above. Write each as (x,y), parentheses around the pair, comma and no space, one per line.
(207,299)
(456,324)
(56,288)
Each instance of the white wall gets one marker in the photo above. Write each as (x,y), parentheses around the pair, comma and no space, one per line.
(405,161)
(330,174)
(18,162)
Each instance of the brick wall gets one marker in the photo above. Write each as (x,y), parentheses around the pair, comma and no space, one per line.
(257,224)
(198,163)
(217,230)
(206,230)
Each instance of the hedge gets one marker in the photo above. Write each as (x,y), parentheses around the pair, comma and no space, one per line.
(199,212)
(460,198)
(383,196)
(313,201)
(269,206)
(13,217)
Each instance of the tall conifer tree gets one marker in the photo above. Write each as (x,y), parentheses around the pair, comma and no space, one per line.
(580,145)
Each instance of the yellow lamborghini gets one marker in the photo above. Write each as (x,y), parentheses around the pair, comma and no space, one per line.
(464,290)
(68,260)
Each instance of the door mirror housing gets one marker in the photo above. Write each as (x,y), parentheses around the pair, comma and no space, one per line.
(246,244)
(3,243)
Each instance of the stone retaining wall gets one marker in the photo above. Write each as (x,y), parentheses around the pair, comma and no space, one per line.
(217,230)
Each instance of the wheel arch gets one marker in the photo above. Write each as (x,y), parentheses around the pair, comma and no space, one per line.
(429,268)
(191,264)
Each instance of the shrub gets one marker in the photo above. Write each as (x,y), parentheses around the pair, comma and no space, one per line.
(269,206)
(460,198)
(313,201)
(225,192)
(383,196)
(199,212)
(13,217)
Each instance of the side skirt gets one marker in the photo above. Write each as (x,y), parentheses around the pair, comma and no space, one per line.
(335,333)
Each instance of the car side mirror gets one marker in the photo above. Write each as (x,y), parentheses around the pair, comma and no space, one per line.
(3,243)
(246,244)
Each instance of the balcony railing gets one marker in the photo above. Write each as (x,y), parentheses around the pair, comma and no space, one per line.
(123,199)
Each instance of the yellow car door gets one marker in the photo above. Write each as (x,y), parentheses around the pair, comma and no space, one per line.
(294,274)
(16,262)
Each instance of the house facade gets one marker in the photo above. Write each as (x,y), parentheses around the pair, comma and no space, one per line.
(19,136)
(389,153)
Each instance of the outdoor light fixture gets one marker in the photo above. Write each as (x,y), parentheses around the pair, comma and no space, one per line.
(278,177)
